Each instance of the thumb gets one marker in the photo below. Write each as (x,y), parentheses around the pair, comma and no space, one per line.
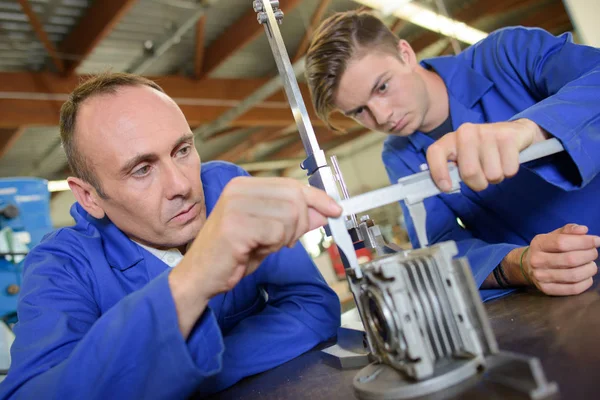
(321,202)
(438,154)
(315,219)
(573,229)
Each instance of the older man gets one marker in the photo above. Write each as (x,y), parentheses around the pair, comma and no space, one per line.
(177,278)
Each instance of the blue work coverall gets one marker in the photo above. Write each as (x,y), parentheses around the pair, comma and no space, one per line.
(515,73)
(97,319)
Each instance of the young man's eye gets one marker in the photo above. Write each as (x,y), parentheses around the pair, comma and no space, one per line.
(142,171)
(359,111)
(383,87)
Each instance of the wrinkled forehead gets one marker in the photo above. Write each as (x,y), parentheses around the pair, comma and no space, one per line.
(111,127)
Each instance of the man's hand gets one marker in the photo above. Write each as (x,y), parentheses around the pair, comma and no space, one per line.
(484,153)
(253,218)
(561,263)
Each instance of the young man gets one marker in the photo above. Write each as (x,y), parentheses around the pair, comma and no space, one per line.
(177,278)
(481,108)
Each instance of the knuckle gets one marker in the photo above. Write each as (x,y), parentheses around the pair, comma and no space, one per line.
(561,244)
(467,128)
(511,170)
(494,175)
(578,289)
(479,186)
(575,275)
(433,150)
(571,259)
(504,136)
(469,171)
(539,275)
(535,261)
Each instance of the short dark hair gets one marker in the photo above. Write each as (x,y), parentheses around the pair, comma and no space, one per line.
(336,41)
(104,83)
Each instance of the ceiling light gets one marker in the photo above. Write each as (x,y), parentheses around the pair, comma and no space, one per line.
(427,19)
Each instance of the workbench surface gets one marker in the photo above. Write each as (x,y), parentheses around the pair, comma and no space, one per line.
(561,331)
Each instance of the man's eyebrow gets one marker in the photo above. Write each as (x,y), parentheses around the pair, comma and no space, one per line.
(150,157)
(183,139)
(139,158)
(378,82)
(373,89)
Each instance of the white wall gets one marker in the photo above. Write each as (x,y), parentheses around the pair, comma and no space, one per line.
(60,207)
(584,15)
(360,163)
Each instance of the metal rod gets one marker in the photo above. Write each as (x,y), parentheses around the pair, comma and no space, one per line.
(340,178)
(287,74)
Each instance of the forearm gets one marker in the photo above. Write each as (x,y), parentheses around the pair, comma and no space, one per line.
(149,358)
(190,300)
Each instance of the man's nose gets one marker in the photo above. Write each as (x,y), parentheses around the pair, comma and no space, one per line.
(381,111)
(176,183)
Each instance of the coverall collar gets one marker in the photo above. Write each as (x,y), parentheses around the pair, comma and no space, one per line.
(464,86)
(121,252)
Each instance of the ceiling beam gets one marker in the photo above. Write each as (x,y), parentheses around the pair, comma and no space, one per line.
(314,23)
(326,138)
(8,137)
(554,14)
(235,37)
(170,39)
(199,55)
(42,36)
(36,98)
(95,25)
(398,25)
(46,112)
(238,151)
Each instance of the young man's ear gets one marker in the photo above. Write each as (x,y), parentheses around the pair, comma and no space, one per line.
(406,52)
(86,196)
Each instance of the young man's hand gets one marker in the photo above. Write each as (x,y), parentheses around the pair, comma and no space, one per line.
(561,263)
(484,153)
(253,218)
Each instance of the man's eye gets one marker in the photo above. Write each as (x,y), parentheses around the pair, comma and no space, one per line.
(142,171)
(383,87)
(185,150)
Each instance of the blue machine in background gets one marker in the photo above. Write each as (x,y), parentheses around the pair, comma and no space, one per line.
(24,220)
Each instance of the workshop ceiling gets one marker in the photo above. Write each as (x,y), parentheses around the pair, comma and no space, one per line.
(208,61)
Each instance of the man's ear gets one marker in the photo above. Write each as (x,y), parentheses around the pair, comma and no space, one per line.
(406,52)
(86,196)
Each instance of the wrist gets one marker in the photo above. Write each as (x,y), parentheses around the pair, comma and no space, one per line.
(539,134)
(189,295)
(512,267)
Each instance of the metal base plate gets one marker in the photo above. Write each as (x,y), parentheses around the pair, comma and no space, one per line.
(382,382)
(340,358)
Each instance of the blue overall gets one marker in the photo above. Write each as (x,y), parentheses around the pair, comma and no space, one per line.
(97,319)
(515,73)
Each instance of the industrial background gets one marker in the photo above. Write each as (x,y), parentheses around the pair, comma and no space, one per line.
(213,58)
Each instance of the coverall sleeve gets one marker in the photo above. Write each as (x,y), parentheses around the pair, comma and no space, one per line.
(565,77)
(66,349)
(442,226)
(301,311)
